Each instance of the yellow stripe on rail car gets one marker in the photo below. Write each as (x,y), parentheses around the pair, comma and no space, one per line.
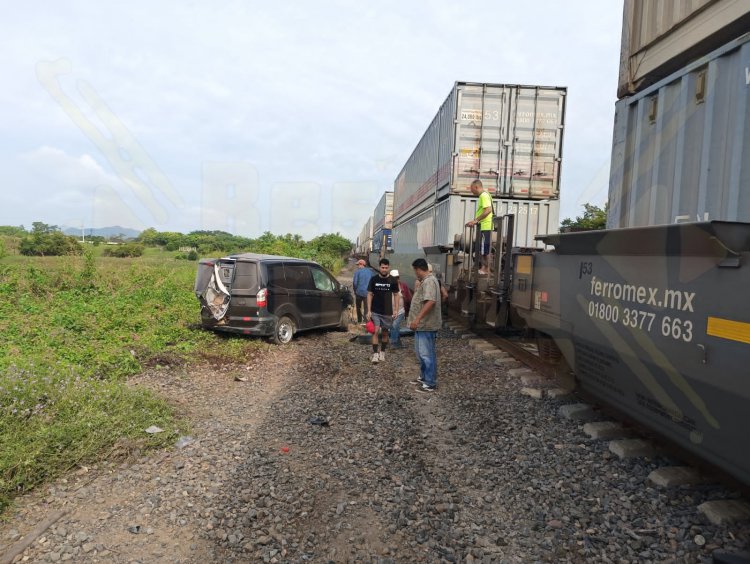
(728,329)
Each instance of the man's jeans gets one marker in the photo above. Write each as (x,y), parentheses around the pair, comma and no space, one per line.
(396,331)
(361,305)
(424,346)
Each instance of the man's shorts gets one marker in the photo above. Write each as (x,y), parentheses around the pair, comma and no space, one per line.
(484,244)
(384,321)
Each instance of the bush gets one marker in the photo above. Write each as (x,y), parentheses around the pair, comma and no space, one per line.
(127,250)
(47,244)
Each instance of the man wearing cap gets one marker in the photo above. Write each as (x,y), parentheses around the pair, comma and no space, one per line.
(403,310)
(360,283)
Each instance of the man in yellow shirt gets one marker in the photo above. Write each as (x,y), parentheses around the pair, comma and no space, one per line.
(483,218)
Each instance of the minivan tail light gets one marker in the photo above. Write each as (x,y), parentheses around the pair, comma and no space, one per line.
(261,298)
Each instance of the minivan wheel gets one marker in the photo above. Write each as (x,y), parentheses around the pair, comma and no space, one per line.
(284,330)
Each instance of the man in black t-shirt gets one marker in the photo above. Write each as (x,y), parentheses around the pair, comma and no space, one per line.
(382,307)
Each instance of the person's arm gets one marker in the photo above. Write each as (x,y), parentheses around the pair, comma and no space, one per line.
(369,305)
(485,212)
(395,299)
(426,307)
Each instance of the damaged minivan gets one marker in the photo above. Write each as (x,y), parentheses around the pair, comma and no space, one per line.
(269,296)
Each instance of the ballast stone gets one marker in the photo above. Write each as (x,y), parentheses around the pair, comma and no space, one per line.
(605,430)
(578,411)
(535,393)
(495,353)
(671,476)
(725,511)
(631,448)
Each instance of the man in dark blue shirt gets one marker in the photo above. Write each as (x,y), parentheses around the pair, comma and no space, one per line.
(361,282)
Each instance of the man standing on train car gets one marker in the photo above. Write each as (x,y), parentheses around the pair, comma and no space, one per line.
(483,218)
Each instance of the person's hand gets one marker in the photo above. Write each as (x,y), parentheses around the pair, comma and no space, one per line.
(471,223)
(413,325)
(369,316)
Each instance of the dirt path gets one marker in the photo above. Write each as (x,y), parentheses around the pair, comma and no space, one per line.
(321,456)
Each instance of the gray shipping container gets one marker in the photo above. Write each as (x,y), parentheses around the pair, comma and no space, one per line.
(383,216)
(365,237)
(681,148)
(440,224)
(508,136)
(661,36)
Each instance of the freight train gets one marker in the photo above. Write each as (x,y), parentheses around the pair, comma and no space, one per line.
(650,314)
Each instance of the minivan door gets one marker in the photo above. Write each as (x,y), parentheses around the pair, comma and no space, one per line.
(300,287)
(213,286)
(326,297)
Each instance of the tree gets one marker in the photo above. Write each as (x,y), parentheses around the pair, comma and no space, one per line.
(593,218)
(46,241)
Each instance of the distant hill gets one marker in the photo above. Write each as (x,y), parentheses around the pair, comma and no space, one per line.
(103,231)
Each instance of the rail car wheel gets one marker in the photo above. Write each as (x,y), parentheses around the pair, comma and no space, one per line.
(549,352)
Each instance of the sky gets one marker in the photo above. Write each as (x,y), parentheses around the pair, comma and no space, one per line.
(287,117)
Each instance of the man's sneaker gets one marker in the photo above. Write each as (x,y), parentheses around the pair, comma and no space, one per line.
(419,381)
(426,388)
(375,358)
(381,355)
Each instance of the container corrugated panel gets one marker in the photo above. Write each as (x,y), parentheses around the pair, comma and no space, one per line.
(681,149)
(661,36)
(412,235)
(508,136)
(532,218)
(414,188)
(383,216)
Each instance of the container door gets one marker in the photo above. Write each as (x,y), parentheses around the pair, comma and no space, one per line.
(481,131)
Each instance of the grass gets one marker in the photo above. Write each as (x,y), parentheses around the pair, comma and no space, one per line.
(74,329)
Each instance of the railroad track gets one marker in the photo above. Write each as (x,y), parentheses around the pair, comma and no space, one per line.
(559,378)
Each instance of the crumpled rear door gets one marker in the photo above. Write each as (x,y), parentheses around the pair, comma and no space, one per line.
(214,295)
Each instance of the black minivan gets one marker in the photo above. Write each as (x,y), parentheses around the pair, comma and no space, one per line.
(269,295)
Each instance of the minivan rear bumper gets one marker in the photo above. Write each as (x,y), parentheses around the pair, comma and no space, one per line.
(259,326)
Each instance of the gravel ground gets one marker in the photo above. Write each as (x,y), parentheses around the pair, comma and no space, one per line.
(320,456)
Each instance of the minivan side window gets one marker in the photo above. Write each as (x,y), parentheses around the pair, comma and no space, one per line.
(298,277)
(276,275)
(322,280)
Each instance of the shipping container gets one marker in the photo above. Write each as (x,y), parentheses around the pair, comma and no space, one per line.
(383,216)
(439,225)
(382,236)
(508,136)
(661,36)
(365,237)
(681,148)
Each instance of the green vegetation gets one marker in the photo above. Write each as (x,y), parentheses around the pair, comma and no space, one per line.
(593,218)
(125,250)
(73,329)
(76,326)
(53,420)
(48,241)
